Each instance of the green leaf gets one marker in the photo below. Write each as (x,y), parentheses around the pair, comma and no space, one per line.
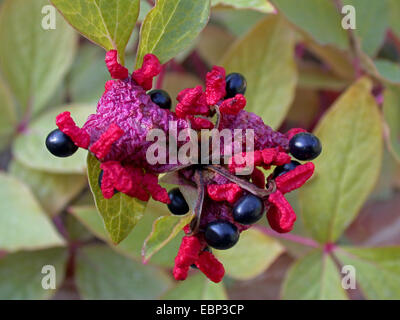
(29,147)
(132,245)
(54,191)
(389,70)
(8,119)
(88,75)
(320,19)
(317,79)
(121,213)
(265,57)
(197,287)
(394,16)
(313,277)
(371,23)
(33,60)
(102,274)
(251,256)
(391,112)
(260,5)
(170,27)
(377,270)
(164,230)
(108,23)
(21,274)
(23,224)
(347,169)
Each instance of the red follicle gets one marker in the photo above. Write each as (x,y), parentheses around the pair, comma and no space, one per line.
(210,266)
(295,178)
(215,85)
(192,101)
(67,125)
(233,105)
(292,132)
(103,146)
(280,215)
(151,67)
(117,71)
(187,255)
(258,178)
(230,192)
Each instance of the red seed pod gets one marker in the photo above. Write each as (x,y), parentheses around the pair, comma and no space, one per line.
(102,147)
(192,101)
(280,215)
(151,67)
(158,193)
(295,178)
(200,123)
(187,255)
(230,192)
(233,105)
(215,85)
(117,71)
(292,132)
(67,125)
(210,266)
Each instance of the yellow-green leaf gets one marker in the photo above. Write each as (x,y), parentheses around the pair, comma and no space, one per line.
(33,60)
(109,23)
(170,27)
(251,256)
(319,18)
(8,119)
(121,213)
(103,274)
(16,268)
(265,57)
(164,230)
(197,287)
(29,147)
(260,5)
(391,112)
(377,270)
(23,224)
(347,169)
(313,277)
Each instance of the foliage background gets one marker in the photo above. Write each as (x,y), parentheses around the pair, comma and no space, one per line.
(302,69)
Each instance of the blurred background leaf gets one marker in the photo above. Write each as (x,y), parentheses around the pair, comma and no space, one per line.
(347,169)
(23,223)
(391,112)
(21,274)
(314,277)
(103,274)
(34,60)
(270,82)
(260,5)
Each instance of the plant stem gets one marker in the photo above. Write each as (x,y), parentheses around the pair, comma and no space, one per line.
(288,236)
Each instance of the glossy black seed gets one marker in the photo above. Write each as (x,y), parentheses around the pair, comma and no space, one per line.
(221,235)
(160,98)
(235,83)
(285,168)
(178,205)
(60,145)
(248,209)
(305,146)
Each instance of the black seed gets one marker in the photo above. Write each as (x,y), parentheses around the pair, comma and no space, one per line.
(285,168)
(60,145)
(305,146)
(235,83)
(221,235)
(248,209)
(178,205)
(160,98)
